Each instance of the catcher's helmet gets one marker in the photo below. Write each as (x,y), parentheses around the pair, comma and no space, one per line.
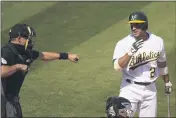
(118,107)
(139,18)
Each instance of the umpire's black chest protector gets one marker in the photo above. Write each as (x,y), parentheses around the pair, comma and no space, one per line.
(13,83)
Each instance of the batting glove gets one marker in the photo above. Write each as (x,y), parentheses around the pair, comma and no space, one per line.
(135,47)
(168,87)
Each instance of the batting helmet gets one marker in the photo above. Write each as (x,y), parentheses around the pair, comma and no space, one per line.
(118,107)
(140,19)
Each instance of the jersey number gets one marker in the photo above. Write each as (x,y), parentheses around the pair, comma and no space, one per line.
(152,72)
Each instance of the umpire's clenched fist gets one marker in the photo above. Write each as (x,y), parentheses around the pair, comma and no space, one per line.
(73,57)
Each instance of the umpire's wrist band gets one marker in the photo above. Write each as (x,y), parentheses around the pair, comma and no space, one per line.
(63,55)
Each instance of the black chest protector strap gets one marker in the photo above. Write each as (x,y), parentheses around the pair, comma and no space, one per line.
(16,53)
(19,56)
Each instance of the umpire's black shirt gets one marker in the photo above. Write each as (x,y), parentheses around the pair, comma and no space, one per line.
(13,83)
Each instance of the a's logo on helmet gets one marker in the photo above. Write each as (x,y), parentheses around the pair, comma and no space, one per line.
(133,17)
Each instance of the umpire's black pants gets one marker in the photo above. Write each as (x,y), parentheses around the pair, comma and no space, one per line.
(13,107)
(3,106)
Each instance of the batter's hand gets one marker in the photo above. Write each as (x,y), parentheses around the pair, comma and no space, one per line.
(135,47)
(168,87)
(73,57)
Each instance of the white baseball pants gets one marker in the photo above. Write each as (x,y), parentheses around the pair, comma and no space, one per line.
(143,98)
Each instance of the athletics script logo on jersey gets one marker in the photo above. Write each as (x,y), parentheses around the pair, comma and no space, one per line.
(143,58)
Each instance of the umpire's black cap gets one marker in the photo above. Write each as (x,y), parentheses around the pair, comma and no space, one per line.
(22,30)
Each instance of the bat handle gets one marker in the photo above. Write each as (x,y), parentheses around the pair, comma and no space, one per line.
(168,101)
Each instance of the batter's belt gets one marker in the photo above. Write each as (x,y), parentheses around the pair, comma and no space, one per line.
(139,83)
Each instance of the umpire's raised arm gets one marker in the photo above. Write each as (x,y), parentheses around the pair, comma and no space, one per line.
(48,56)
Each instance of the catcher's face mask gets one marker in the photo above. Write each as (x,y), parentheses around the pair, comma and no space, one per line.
(120,113)
(118,107)
(125,112)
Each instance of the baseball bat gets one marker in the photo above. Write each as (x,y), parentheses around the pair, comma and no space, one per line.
(168,105)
